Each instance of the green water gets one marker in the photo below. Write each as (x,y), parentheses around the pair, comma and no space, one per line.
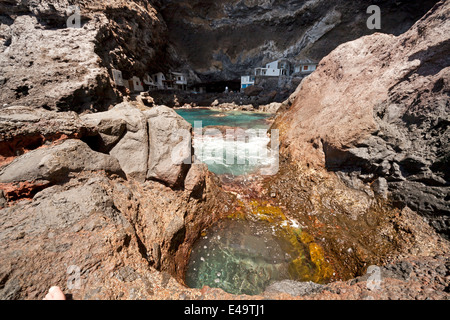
(240,257)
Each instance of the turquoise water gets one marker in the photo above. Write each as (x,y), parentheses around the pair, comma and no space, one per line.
(240,257)
(242,119)
(242,148)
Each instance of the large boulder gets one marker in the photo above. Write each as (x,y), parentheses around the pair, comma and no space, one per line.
(123,133)
(378,107)
(56,162)
(149,143)
(170,145)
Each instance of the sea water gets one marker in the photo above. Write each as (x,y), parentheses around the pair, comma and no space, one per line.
(231,142)
(241,257)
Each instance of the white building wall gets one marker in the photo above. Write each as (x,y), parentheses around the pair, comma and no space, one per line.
(247,81)
(137,84)
(117,76)
(158,79)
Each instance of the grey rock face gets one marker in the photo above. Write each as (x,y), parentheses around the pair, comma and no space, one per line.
(54,163)
(45,63)
(55,68)
(170,145)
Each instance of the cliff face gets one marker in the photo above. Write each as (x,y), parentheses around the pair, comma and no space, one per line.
(377,113)
(44,63)
(222,40)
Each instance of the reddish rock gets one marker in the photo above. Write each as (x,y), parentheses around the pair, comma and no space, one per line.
(377,107)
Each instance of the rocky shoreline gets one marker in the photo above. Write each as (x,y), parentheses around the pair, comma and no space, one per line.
(99,194)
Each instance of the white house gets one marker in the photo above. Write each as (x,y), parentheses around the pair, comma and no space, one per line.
(247,81)
(159,79)
(117,77)
(180,81)
(148,81)
(305,67)
(274,69)
(136,84)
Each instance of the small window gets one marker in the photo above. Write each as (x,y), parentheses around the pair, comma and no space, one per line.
(305,68)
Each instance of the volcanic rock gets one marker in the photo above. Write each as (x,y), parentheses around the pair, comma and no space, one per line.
(170,145)
(46,62)
(378,107)
(56,162)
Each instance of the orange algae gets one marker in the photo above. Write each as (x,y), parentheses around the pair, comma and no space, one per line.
(310,263)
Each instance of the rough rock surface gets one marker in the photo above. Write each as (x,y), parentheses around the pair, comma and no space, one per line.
(148,143)
(54,164)
(294,288)
(170,143)
(417,278)
(378,108)
(45,63)
(84,225)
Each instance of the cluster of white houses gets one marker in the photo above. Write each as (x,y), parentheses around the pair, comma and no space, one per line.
(279,68)
(157,81)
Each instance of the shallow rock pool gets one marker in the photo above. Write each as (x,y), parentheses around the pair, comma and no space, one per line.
(243,257)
